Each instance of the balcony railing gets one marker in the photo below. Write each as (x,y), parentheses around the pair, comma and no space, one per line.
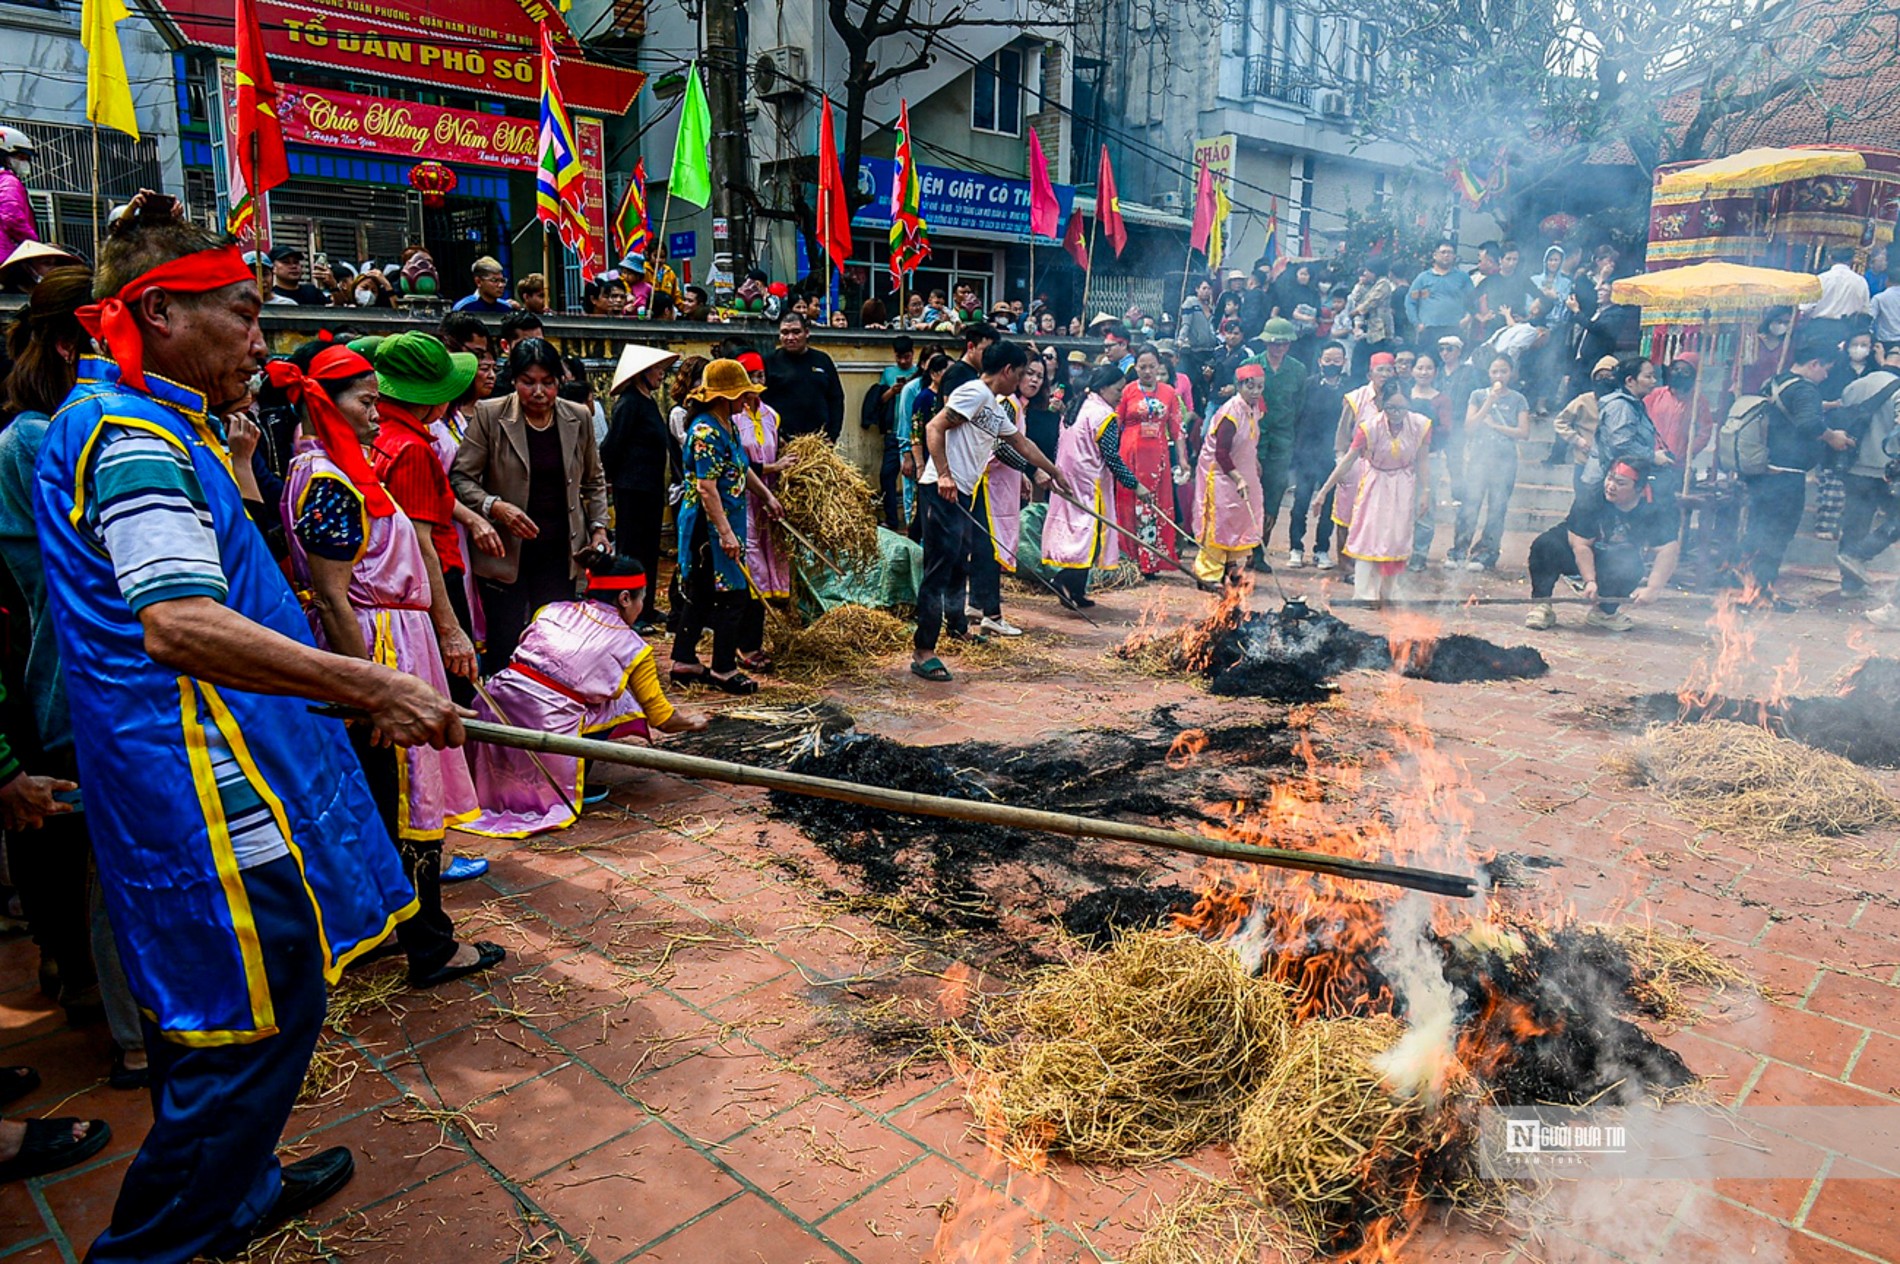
(1274,80)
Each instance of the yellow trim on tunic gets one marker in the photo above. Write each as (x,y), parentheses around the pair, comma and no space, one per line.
(230,878)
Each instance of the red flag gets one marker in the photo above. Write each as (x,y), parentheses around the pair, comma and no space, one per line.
(1204,208)
(1074,242)
(1043,208)
(256,132)
(1108,207)
(834,208)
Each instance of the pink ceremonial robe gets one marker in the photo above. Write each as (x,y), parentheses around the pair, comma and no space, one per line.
(389,592)
(1071,540)
(1226,517)
(1003,499)
(1385,503)
(569,675)
(758,435)
(1365,405)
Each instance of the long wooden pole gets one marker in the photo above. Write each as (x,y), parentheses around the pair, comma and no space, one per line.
(1088,273)
(977,812)
(98,230)
(1119,529)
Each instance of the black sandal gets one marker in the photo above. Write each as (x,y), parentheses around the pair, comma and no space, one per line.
(487,957)
(125,1077)
(49,1146)
(16,1082)
(738,684)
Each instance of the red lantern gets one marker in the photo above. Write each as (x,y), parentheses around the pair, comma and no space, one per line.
(1557,227)
(434,181)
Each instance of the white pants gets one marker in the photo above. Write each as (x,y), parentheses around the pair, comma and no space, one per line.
(1368,583)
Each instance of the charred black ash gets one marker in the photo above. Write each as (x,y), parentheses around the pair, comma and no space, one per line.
(1861,721)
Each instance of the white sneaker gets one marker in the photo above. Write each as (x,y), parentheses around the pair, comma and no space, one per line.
(1474,565)
(972,615)
(1295,560)
(1324,562)
(1608,622)
(999,626)
(1451,563)
(1542,618)
(1887,616)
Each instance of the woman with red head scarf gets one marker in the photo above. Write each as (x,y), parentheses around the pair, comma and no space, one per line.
(359,558)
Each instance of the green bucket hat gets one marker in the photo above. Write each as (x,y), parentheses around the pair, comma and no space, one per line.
(415,368)
(1280,329)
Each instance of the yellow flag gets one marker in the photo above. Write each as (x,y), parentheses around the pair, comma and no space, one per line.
(1217,234)
(108,91)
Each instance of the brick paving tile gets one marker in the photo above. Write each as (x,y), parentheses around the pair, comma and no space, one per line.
(80,1200)
(817,1155)
(530,1128)
(1878,1067)
(631,1190)
(1857,1000)
(45,1252)
(390,1156)
(746,1230)
(1813,1041)
(19,1215)
(720,1090)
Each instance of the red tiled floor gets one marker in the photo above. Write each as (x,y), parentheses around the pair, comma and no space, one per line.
(817,1155)
(746,1230)
(1858,1000)
(546,1121)
(1855,1207)
(631,1190)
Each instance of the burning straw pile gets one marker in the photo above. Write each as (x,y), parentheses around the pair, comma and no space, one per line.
(1745,781)
(1296,654)
(828,501)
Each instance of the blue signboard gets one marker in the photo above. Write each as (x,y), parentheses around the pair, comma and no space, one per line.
(682,245)
(958,201)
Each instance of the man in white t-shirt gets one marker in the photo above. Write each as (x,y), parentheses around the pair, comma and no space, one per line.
(967,431)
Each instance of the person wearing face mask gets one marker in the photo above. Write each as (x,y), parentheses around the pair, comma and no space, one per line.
(1830,491)
(1385,457)
(1683,420)
(1771,346)
(16,209)
(1313,458)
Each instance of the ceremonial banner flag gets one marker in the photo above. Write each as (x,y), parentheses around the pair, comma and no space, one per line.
(1270,249)
(1203,208)
(557,190)
(108,91)
(1108,207)
(631,235)
(910,235)
(1217,229)
(834,206)
(256,135)
(1075,242)
(691,179)
(1044,210)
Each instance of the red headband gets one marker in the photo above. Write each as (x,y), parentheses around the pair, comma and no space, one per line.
(1247,372)
(110,319)
(1384,357)
(752,362)
(616,583)
(335,434)
(1628,471)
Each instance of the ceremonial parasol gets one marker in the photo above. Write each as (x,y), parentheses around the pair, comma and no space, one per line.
(1754,168)
(1704,292)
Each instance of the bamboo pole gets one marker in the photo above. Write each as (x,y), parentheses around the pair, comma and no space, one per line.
(98,229)
(998,814)
(815,551)
(1088,273)
(1124,532)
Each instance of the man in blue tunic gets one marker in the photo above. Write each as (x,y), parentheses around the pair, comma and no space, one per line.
(239,850)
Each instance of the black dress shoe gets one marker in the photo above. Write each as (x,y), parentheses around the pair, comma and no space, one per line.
(487,956)
(308,1182)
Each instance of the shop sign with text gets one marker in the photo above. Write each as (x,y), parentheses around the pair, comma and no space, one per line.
(346,122)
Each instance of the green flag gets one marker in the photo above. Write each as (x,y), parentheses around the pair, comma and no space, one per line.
(691,180)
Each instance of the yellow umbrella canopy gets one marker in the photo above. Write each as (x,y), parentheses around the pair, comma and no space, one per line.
(1713,291)
(1754,168)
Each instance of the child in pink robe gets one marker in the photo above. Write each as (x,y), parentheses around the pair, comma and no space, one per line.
(1227,493)
(1383,463)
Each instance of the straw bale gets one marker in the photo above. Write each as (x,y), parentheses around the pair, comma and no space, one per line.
(842,640)
(1209,1224)
(1141,1053)
(1745,781)
(827,499)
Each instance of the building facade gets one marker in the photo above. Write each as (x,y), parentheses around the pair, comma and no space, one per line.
(43,93)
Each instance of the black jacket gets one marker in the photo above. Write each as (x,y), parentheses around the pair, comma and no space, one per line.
(807,394)
(1794,429)
(633,456)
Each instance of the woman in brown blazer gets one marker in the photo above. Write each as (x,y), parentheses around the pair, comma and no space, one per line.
(529,465)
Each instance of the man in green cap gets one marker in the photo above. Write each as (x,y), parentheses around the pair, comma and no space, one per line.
(1286,392)
(418,379)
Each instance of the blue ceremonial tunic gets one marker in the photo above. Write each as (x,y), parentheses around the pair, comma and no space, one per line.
(170,875)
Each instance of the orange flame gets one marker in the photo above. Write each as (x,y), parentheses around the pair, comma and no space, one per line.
(1412,637)
(1186,747)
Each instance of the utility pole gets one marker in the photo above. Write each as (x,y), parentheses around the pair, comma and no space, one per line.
(731,149)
